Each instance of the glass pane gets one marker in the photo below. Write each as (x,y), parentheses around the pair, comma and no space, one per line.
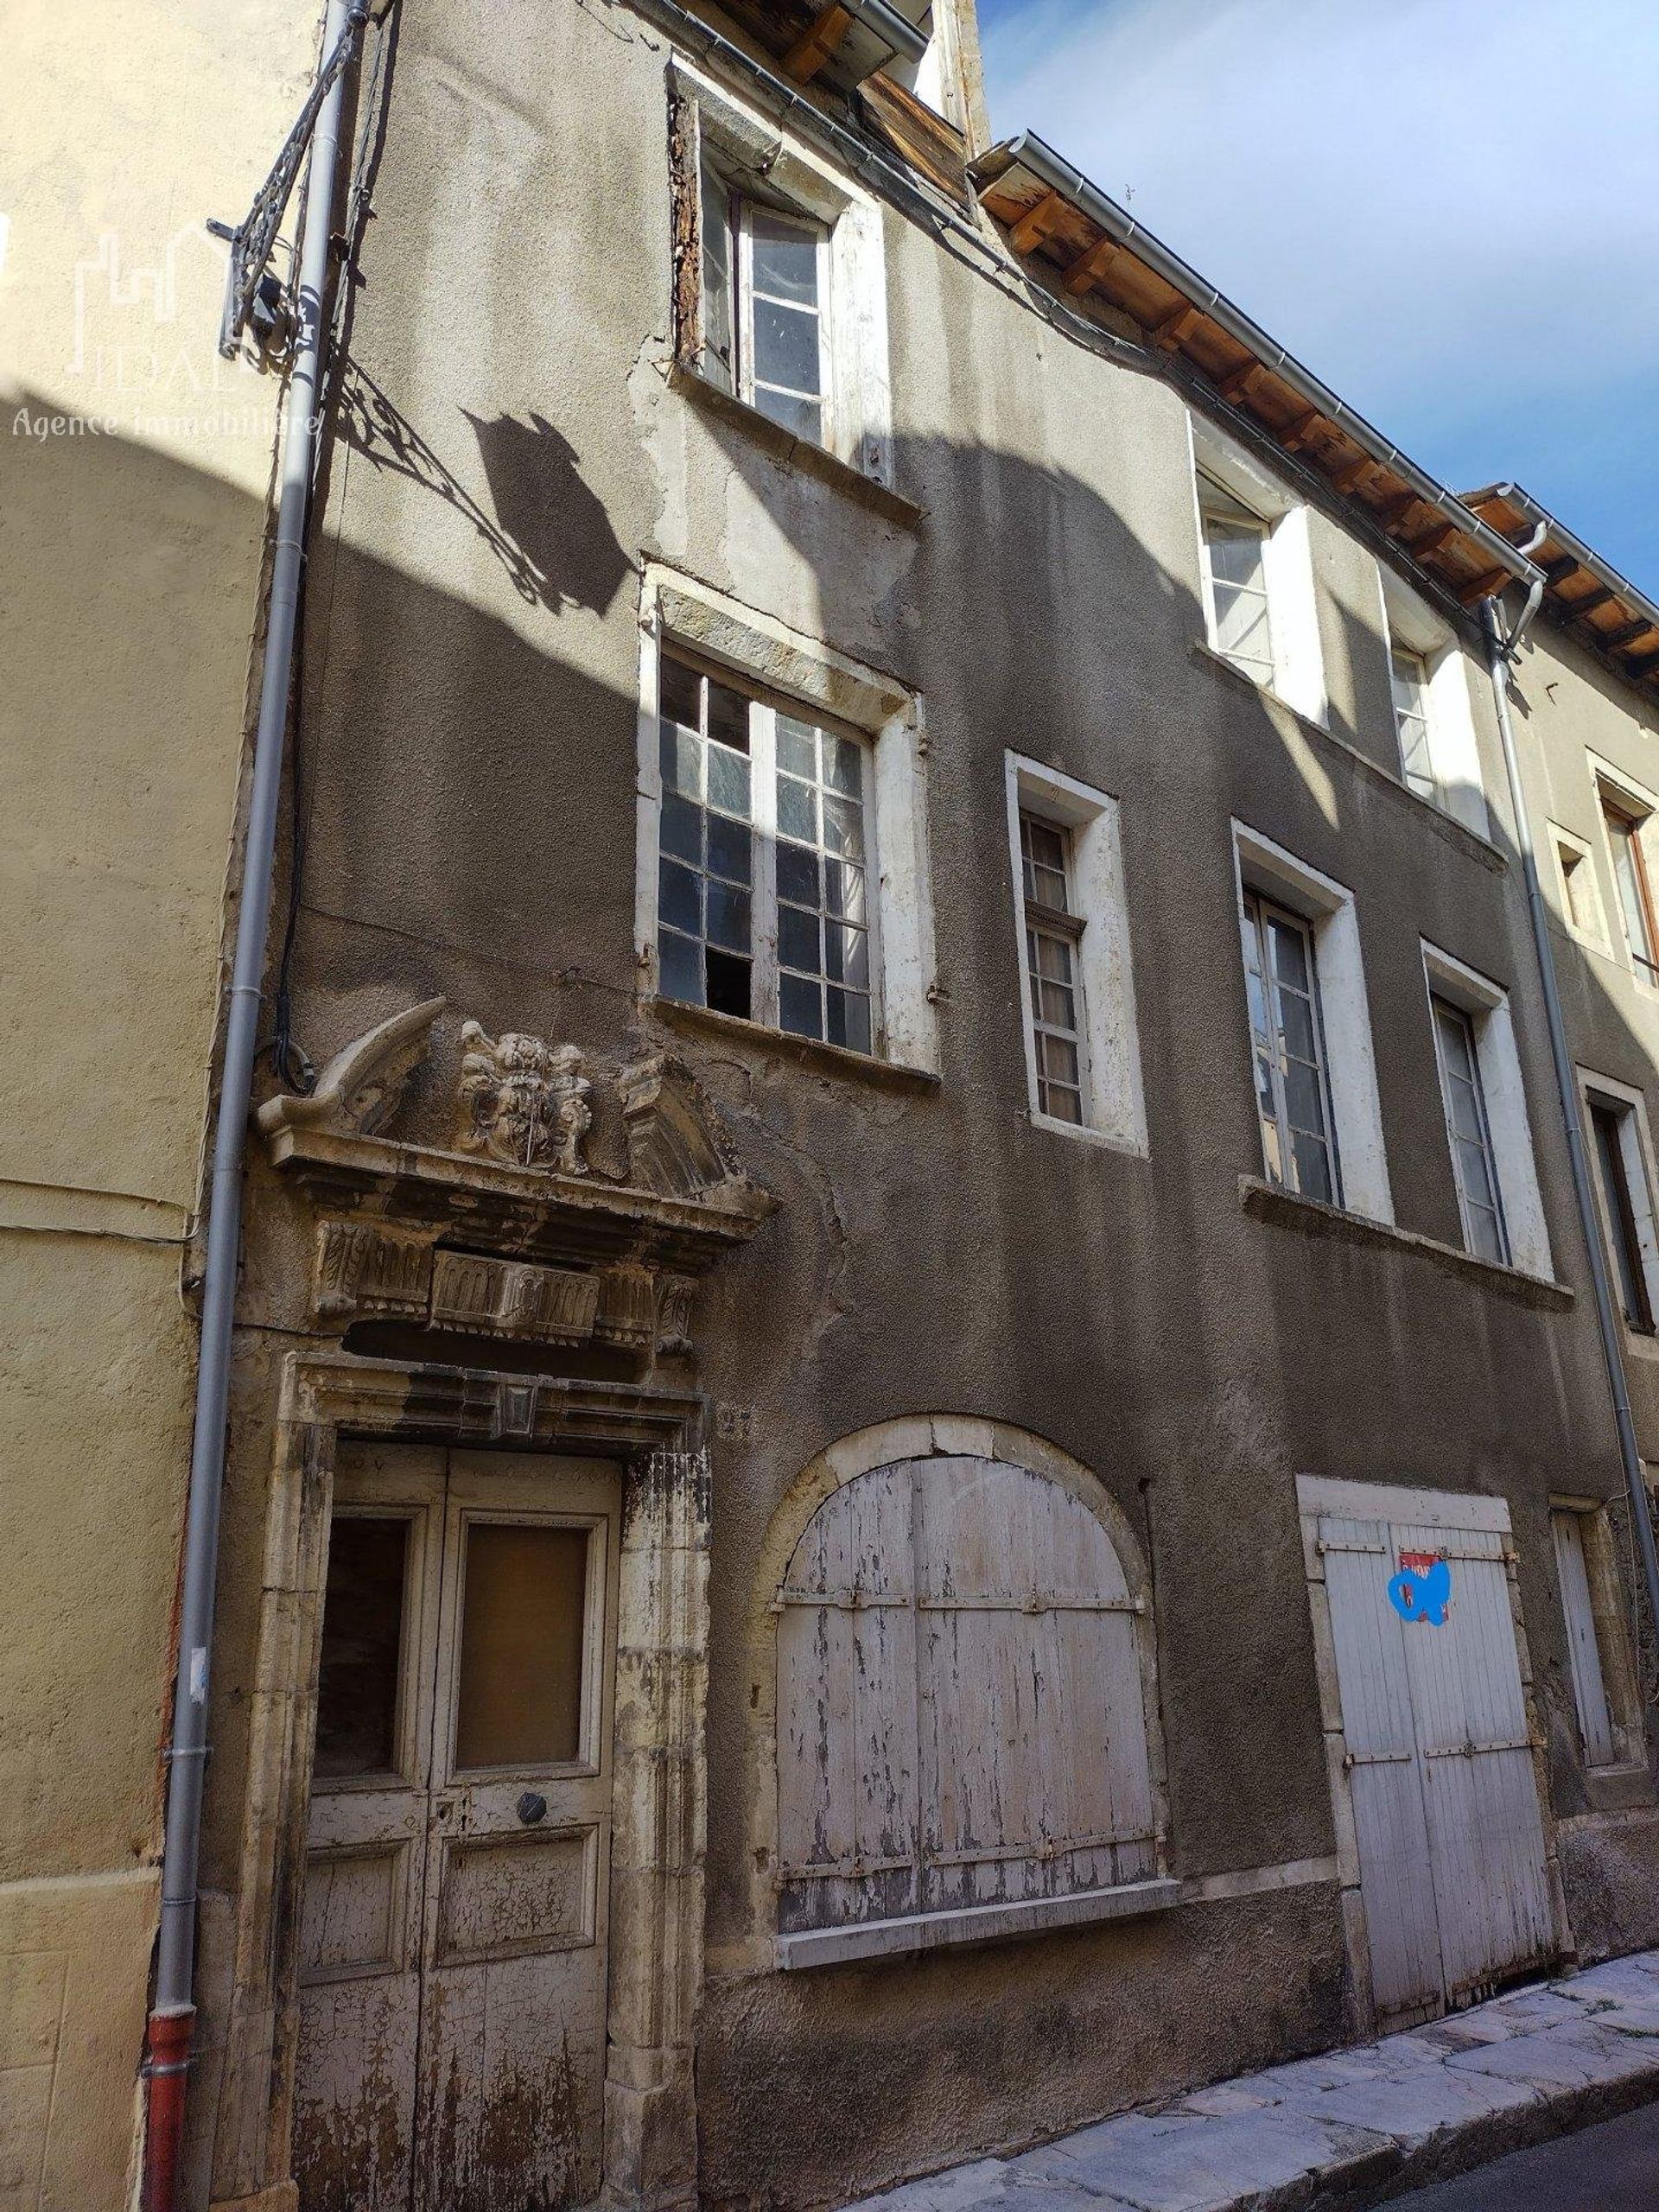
(803,418)
(1289,953)
(729,849)
(728,716)
(1313,1159)
(847,955)
(843,891)
(797,939)
(680,689)
(799,1006)
(680,751)
(681,830)
(843,827)
(1296,1013)
(362,1639)
(1485,1238)
(679,967)
(523,1631)
(843,763)
(849,1020)
(1454,1042)
(798,876)
(1060,1061)
(729,917)
(1475,1175)
(728,780)
(1303,1104)
(786,258)
(1234,555)
(786,346)
(797,809)
(679,897)
(797,747)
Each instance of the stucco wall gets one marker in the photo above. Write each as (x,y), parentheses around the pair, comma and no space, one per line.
(133,468)
(470,759)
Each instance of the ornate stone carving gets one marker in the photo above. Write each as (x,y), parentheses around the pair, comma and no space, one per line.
(674,1143)
(359,1090)
(523,1101)
(365,1268)
(674,1295)
(508,1297)
(627,1309)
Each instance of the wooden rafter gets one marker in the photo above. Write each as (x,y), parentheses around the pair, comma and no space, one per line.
(1301,430)
(1557,572)
(1432,541)
(1578,609)
(1626,634)
(1483,586)
(1393,511)
(1239,383)
(1353,473)
(1089,265)
(1640,664)
(1037,222)
(816,43)
(1175,326)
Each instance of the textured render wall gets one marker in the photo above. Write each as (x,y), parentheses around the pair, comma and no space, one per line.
(470,753)
(133,475)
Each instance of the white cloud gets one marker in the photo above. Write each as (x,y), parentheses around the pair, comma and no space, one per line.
(1452,202)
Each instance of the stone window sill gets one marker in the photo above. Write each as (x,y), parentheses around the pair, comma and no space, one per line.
(979,1923)
(1458,833)
(1313,1218)
(805,1051)
(796,453)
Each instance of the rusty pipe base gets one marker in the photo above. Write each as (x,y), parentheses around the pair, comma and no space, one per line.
(166,2068)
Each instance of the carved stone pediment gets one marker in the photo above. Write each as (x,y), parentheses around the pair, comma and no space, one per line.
(515,1232)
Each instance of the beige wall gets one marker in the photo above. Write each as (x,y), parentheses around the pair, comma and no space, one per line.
(134,468)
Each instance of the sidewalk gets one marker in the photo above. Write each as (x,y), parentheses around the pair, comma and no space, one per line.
(1353,2127)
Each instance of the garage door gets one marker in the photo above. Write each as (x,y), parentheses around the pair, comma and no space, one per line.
(1437,1755)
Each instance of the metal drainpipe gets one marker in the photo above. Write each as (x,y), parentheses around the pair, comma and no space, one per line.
(1498,649)
(173,2010)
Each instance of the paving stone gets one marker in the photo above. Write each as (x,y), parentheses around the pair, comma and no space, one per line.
(1414,2111)
(1574,2056)
(956,2190)
(1534,2008)
(1624,1979)
(1208,2166)
(1227,2097)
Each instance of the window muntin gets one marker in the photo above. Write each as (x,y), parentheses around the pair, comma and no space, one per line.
(1236,580)
(1409,673)
(1054,931)
(1469,1132)
(765,902)
(1608,1127)
(765,295)
(1287,1042)
(1635,894)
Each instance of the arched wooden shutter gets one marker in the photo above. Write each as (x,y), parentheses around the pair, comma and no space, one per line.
(960,1711)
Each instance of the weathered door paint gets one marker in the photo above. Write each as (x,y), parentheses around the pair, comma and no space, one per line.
(1453,1874)
(453,1946)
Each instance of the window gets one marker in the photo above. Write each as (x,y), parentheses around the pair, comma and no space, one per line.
(1594,1608)
(1580,900)
(785,307)
(1409,671)
(1082,1061)
(1312,1068)
(962,1700)
(1256,574)
(765,294)
(1292,1096)
(1626,1204)
(1052,930)
(1623,828)
(1489,1133)
(764,904)
(1473,1164)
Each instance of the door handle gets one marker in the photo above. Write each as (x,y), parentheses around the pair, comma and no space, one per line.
(531,1808)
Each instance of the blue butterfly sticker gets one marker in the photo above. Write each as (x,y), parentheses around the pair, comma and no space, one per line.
(1423,1589)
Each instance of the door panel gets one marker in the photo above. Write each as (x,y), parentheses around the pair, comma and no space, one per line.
(454,1927)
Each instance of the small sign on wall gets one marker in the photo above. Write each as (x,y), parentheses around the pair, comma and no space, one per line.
(1421,1591)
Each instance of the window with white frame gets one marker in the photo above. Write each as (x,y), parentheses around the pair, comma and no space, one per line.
(1483,1096)
(1616,1128)
(1605,1694)
(1435,728)
(761,893)
(1255,568)
(1627,815)
(1313,1066)
(1082,1058)
(788,311)
(1474,1168)
(764,902)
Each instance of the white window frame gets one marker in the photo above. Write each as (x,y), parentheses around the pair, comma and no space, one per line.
(1584,871)
(1114,1103)
(1441,1008)
(1450,739)
(764,654)
(1266,867)
(1637,1157)
(1635,799)
(1288,567)
(1503,1091)
(743,146)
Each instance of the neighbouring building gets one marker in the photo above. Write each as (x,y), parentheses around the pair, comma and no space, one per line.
(920,1446)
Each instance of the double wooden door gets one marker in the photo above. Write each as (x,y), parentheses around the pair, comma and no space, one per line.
(453,1937)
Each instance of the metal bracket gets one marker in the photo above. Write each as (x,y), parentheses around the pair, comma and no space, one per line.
(253,238)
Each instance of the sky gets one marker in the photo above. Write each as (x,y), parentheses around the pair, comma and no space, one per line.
(1447,209)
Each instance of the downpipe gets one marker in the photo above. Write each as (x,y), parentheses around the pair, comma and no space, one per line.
(172,2018)
(1500,647)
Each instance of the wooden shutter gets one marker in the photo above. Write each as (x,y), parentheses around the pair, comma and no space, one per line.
(1589,1688)
(961,1717)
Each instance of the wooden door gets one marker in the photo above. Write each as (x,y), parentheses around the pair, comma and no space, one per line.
(453,1948)
(1452,1869)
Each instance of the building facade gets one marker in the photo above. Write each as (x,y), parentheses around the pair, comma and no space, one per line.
(919,1444)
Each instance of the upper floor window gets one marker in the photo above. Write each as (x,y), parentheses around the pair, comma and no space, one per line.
(1623,824)
(784,304)
(1281,973)
(1473,1165)
(763,902)
(1410,674)
(1618,1151)
(1081,1056)
(1261,612)
(1433,724)
(1487,1131)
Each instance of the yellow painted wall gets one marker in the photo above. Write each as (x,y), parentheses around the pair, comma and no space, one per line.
(134,468)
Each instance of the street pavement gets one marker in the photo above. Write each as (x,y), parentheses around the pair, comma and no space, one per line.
(1611,2168)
